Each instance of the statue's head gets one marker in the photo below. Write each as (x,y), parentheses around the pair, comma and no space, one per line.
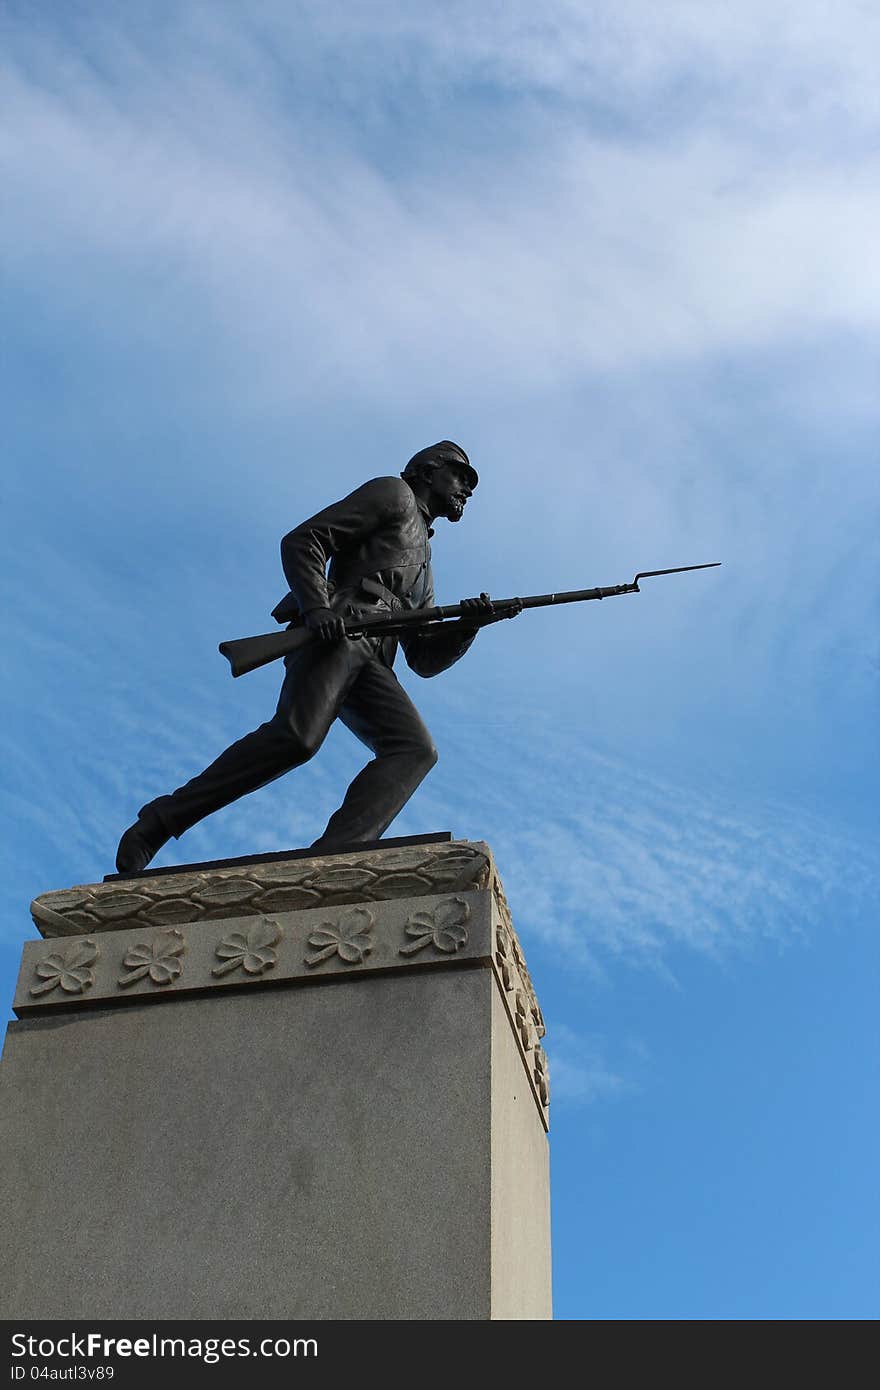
(444,477)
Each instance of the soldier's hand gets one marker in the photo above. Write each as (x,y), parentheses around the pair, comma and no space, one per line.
(325,624)
(479,612)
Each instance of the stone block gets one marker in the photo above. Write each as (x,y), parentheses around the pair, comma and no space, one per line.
(313,1090)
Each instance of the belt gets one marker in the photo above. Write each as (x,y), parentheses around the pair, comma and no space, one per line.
(374,589)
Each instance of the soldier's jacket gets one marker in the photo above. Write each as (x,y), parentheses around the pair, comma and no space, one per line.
(376,542)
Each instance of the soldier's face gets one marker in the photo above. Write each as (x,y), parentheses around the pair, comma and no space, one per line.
(450,490)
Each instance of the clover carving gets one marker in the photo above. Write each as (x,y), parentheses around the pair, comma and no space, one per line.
(70,970)
(503,958)
(350,938)
(251,952)
(158,959)
(524,1015)
(541,1073)
(443,927)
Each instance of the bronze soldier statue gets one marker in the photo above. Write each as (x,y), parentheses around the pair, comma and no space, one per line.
(376,542)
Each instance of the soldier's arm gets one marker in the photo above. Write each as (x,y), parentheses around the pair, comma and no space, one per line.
(428,653)
(308,548)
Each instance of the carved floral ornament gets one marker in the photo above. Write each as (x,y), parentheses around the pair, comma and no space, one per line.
(68,969)
(158,958)
(541,1072)
(350,938)
(523,1016)
(250,951)
(442,927)
(517,982)
(504,958)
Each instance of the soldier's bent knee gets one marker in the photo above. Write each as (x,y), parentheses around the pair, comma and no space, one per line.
(298,747)
(429,756)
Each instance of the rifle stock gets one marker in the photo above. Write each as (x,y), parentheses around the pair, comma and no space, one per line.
(248,653)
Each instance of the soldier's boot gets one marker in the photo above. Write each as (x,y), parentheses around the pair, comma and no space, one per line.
(141,842)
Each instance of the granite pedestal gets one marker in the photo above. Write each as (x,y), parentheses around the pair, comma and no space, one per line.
(305,1089)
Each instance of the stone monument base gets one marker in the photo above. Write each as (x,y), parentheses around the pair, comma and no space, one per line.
(308,1089)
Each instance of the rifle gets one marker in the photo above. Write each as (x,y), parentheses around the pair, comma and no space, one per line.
(248,653)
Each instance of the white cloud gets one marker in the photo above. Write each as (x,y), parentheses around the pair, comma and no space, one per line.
(605,864)
(567,248)
(794,60)
(580,1072)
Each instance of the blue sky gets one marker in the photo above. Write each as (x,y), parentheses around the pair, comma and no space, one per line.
(253,255)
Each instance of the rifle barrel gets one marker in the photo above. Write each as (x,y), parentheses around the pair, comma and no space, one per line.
(574,596)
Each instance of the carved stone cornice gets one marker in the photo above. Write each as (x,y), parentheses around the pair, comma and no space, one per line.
(173,900)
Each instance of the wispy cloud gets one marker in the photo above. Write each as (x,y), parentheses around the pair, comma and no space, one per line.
(580,1072)
(313,258)
(788,65)
(604,863)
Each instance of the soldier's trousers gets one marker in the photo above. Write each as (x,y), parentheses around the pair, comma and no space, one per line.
(324,681)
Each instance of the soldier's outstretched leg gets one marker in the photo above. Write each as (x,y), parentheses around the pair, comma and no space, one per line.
(318,680)
(381,714)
